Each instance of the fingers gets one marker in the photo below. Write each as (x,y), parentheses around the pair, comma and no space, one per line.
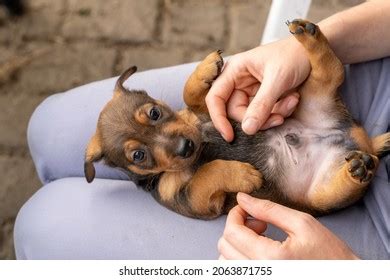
(216,100)
(240,241)
(257,226)
(237,105)
(281,110)
(289,220)
(260,108)
(286,105)
(273,120)
(228,252)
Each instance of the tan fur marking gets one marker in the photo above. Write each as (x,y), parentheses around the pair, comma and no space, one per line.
(141,115)
(343,190)
(327,71)
(361,138)
(94,148)
(132,144)
(380,143)
(199,83)
(163,160)
(117,93)
(212,180)
(325,77)
(172,128)
(186,123)
(141,171)
(171,182)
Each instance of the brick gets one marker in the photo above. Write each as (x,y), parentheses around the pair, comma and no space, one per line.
(130,21)
(65,67)
(19,182)
(149,58)
(3,15)
(62,69)
(7,251)
(247,19)
(5,54)
(15,113)
(197,23)
(41,21)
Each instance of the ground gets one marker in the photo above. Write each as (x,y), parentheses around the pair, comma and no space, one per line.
(60,44)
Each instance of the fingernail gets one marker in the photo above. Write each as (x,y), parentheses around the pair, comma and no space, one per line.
(275,123)
(243,197)
(224,136)
(291,104)
(250,125)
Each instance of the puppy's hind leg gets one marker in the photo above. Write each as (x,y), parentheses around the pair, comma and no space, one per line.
(327,71)
(199,83)
(319,91)
(347,184)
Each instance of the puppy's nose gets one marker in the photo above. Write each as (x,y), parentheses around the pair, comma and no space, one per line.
(186,148)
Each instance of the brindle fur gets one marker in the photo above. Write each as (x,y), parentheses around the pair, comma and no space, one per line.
(318,161)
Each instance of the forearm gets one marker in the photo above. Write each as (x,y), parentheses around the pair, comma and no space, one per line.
(361,33)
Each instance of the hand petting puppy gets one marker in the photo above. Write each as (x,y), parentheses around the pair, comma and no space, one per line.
(306,237)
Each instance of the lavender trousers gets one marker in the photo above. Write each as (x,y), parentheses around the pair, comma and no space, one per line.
(112,219)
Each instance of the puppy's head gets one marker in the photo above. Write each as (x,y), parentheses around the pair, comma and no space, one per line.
(142,135)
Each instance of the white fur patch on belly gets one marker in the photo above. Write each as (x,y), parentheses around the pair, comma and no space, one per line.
(306,156)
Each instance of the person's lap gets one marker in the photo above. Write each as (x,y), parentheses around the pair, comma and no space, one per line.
(112,219)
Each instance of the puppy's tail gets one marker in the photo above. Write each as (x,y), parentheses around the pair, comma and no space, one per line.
(123,77)
(381,145)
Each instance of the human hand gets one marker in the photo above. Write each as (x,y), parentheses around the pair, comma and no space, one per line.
(256,87)
(307,238)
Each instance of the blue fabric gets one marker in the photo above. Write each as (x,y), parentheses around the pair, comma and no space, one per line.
(112,219)
(367,94)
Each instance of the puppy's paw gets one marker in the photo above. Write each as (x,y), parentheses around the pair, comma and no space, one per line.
(247,178)
(210,68)
(361,166)
(300,27)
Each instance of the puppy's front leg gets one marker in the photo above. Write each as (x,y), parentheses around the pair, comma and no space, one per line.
(202,195)
(206,192)
(199,83)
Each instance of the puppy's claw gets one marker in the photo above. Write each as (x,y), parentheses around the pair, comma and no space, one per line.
(210,68)
(299,26)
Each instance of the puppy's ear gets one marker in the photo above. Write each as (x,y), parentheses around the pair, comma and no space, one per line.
(119,88)
(93,153)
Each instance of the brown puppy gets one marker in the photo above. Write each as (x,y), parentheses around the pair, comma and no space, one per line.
(319,160)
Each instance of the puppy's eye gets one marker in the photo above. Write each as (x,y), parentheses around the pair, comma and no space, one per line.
(138,155)
(154,114)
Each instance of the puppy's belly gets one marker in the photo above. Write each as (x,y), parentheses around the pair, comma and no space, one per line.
(306,157)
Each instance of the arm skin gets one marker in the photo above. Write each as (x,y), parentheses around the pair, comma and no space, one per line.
(306,237)
(360,33)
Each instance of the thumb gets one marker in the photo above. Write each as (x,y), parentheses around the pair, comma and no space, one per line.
(261,106)
(283,217)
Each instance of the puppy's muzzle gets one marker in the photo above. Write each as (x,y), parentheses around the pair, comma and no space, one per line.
(185,148)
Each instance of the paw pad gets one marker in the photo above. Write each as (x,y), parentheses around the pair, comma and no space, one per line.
(299,26)
(210,68)
(361,166)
